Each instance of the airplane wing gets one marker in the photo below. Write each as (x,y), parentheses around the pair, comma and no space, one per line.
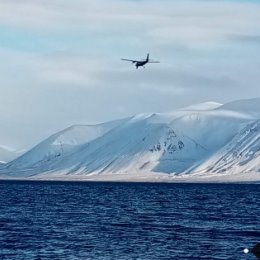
(130,60)
(153,61)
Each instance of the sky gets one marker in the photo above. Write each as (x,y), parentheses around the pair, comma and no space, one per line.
(60,60)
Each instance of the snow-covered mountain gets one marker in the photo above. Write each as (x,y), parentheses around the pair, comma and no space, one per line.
(61,144)
(205,138)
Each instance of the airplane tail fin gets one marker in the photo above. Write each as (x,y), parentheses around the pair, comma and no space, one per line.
(147,58)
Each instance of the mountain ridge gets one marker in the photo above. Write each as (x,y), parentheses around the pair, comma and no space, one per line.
(195,140)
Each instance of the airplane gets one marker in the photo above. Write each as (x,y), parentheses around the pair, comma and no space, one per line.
(141,63)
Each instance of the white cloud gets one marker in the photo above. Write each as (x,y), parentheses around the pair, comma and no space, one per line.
(186,22)
(207,50)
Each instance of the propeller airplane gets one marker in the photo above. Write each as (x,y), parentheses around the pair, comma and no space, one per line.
(141,63)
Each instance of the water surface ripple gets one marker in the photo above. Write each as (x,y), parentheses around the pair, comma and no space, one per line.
(64,220)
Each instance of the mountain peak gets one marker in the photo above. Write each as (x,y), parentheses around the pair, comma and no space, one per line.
(210,105)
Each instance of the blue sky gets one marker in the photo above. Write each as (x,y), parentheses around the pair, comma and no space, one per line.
(60,60)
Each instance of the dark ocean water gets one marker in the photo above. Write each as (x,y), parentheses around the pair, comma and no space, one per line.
(55,220)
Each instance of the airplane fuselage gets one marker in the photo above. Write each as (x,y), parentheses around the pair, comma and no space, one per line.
(140,63)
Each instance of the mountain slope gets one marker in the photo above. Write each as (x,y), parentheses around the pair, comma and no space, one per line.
(241,154)
(140,143)
(60,144)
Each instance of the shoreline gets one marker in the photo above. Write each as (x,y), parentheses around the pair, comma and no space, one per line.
(244,178)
